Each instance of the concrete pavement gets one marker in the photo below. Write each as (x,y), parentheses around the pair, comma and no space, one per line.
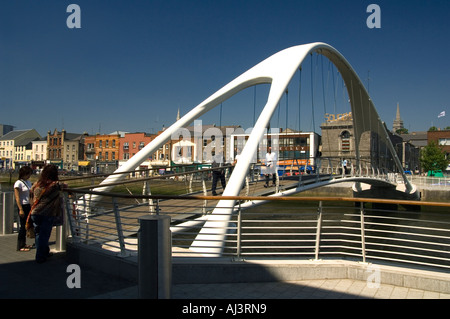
(22,278)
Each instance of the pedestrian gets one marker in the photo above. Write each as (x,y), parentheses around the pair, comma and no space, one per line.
(271,167)
(344,165)
(46,205)
(22,195)
(218,173)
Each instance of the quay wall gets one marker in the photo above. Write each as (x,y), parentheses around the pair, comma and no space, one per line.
(428,193)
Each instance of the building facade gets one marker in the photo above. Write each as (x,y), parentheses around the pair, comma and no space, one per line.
(338,141)
(8,143)
(339,145)
(65,150)
(39,154)
(131,143)
(102,152)
(441,138)
(23,152)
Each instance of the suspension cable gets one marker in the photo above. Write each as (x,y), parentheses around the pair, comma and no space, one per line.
(323,86)
(254,105)
(287,107)
(299,97)
(312,95)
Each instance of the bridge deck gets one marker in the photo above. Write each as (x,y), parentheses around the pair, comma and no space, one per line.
(103,225)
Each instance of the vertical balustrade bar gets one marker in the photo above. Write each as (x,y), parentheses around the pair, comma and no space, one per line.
(119,227)
(363,239)
(157,207)
(86,210)
(239,232)
(72,216)
(318,230)
(205,193)
(7,213)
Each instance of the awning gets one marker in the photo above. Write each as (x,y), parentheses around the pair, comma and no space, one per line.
(83,163)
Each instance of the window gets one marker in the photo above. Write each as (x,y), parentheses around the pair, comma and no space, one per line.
(345,141)
(125,145)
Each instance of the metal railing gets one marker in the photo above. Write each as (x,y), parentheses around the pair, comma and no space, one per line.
(428,181)
(288,227)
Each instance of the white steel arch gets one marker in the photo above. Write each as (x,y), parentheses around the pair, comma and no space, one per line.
(278,71)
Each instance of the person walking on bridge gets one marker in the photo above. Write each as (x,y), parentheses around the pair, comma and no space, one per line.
(271,167)
(218,172)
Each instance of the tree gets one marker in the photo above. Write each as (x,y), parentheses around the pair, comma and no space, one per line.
(402,131)
(432,129)
(432,157)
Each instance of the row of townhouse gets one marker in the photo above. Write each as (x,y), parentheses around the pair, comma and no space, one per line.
(104,153)
(16,148)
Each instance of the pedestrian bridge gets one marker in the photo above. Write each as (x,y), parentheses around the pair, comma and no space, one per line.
(278,71)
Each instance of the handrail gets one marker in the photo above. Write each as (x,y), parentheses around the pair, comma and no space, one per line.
(127,172)
(143,179)
(265,198)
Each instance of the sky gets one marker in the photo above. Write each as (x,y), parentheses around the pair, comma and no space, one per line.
(134,63)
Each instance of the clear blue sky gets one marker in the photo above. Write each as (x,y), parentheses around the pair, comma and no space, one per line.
(134,63)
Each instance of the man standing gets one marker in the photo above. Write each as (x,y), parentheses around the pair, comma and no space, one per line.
(271,167)
(218,173)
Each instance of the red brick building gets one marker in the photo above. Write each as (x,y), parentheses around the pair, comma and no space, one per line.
(131,143)
(442,138)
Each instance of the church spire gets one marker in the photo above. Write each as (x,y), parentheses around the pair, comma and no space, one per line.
(178,114)
(398,123)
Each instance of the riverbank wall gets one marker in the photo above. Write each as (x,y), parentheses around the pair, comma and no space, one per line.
(428,193)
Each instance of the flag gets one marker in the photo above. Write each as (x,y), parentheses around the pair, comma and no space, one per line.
(441,114)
